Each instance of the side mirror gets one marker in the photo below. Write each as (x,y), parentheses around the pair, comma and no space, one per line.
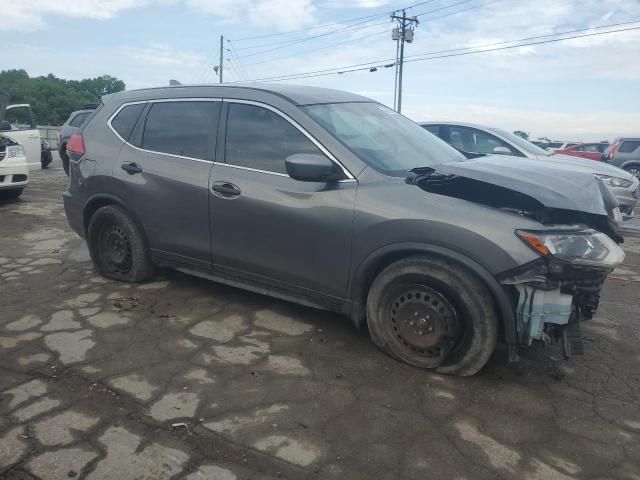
(501,151)
(311,168)
(5,126)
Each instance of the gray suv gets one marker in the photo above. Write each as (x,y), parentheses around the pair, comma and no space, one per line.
(332,200)
(625,153)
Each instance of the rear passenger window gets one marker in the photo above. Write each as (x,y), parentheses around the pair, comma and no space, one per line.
(124,122)
(629,146)
(261,139)
(181,128)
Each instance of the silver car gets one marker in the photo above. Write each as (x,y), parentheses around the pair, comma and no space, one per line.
(482,140)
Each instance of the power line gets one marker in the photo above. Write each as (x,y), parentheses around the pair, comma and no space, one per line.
(314,27)
(333,45)
(433,56)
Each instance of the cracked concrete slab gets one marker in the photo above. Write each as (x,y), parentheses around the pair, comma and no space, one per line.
(61,320)
(212,472)
(25,323)
(35,408)
(59,429)
(175,405)
(280,323)
(222,331)
(61,463)
(289,449)
(12,447)
(26,391)
(125,459)
(71,347)
(135,385)
(108,319)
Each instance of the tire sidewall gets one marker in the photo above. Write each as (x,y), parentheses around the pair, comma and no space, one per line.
(141,266)
(470,298)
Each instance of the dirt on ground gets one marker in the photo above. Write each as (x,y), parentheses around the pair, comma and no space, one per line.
(182,378)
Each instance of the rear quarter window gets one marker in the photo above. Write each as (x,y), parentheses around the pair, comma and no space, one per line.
(126,119)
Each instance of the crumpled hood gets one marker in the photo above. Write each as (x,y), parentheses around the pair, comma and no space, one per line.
(554,185)
(586,165)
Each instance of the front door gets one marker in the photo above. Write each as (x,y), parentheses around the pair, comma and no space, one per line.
(164,173)
(268,227)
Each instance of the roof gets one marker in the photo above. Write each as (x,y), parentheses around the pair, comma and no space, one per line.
(296,94)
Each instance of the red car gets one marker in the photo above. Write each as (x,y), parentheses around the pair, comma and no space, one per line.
(592,151)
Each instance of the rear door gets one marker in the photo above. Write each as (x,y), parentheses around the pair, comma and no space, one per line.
(268,227)
(24,131)
(163,172)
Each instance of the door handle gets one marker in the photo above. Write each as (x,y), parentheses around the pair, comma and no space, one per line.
(131,167)
(225,189)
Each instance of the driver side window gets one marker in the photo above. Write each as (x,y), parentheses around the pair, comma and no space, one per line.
(261,139)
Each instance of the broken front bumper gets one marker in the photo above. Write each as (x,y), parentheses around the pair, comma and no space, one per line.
(551,298)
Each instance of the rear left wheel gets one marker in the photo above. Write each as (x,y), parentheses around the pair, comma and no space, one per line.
(117,246)
(434,314)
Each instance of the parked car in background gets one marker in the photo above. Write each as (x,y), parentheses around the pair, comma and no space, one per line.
(335,201)
(71,126)
(625,153)
(21,126)
(560,145)
(14,172)
(591,151)
(474,140)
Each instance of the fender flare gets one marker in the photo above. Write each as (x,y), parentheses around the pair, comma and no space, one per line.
(362,277)
(629,163)
(109,199)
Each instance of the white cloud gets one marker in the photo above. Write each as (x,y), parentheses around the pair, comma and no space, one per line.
(29,15)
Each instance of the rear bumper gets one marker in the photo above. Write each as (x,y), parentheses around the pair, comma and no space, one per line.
(74,214)
(13,175)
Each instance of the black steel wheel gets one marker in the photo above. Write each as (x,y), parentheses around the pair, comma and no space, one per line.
(117,246)
(634,170)
(433,313)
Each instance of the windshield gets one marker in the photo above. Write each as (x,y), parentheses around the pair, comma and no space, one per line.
(521,143)
(383,138)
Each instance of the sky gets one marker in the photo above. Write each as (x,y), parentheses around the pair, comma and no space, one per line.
(581,89)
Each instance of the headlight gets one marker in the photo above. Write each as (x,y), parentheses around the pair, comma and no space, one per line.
(615,181)
(15,151)
(586,247)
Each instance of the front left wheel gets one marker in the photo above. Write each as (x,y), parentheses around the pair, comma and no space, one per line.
(117,246)
(433,313)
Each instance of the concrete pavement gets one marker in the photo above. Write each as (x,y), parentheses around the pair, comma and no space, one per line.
(186,379)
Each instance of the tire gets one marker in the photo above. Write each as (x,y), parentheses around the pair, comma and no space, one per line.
(634,170)
(432,313)
(117,246)
(65,159)
(11,194)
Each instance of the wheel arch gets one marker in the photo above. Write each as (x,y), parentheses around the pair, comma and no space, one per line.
(369,268)
(102,200)
(630,163)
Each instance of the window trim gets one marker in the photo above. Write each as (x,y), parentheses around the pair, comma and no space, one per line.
(300,128)
(159,100)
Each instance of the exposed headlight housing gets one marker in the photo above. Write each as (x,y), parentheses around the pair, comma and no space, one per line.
(615,181)
(586,247)
(15,151)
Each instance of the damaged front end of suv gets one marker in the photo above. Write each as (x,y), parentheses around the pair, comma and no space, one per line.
(577,244)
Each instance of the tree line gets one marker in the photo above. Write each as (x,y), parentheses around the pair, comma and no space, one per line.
(53,99)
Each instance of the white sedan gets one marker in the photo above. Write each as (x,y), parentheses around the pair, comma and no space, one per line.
(14,172)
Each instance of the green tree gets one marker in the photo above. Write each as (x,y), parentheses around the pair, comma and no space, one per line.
(52,98)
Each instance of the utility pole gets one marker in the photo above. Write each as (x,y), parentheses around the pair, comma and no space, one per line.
(403,32)
(221,66)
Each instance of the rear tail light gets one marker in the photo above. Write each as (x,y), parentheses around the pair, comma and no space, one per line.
(75,144)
